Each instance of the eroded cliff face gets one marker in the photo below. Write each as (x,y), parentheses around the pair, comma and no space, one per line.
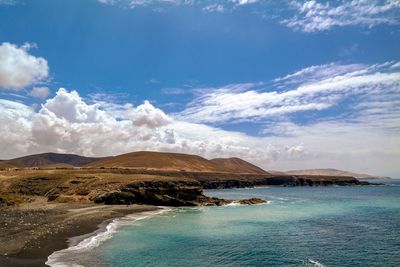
(282,180)
(152,188)
(160,193)
(107,188)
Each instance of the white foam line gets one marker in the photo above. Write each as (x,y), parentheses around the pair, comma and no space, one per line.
(316,263)
(99,237)
(237,204)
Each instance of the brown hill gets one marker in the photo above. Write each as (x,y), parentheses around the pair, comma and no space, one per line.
(237,165)
(49,159)
(176,162)
(334,172)
(4,165)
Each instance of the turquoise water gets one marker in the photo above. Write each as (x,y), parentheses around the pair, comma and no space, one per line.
(300,226)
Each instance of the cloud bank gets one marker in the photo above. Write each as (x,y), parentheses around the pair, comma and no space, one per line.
(314,88)
(67,123)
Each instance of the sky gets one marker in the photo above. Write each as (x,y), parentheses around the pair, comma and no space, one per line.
(283,84)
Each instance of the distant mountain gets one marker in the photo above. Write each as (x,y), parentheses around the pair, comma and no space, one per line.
(48,160)
(334,172)
(176,162)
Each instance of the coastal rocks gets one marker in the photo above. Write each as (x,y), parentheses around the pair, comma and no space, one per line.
(165,193)
(281,180)
(252,201)
(161,193)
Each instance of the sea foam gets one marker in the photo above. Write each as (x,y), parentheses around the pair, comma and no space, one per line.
(315,263)
(62,258)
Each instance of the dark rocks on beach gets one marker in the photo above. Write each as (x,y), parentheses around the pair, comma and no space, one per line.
(252,201)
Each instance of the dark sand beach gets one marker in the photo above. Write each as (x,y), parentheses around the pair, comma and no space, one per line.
(31,232)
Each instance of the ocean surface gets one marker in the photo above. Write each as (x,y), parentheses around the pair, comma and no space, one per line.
(300,226)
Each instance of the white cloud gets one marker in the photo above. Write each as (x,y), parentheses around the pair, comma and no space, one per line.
(40,92)
(244,2)
(70,106)
(15,131)
(297,151)
(312,16)
(214,8)
(311,89)
(146,114)
(19,69)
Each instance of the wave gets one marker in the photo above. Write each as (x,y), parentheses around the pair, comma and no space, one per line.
(61,258)
(315,263)
(236,203)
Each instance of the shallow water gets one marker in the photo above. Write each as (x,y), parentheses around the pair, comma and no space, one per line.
(301,226)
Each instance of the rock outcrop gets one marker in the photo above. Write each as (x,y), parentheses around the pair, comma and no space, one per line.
(160,193)
(252,201)
(121,186)
(281,180)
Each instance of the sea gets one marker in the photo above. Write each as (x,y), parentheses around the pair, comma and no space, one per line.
(298,226)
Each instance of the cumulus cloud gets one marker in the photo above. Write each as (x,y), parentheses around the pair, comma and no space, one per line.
(67,123)
(19,69)
(297,151)
(150,116)
(313,16)
(40,92)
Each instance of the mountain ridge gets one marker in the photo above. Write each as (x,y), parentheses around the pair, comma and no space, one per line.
(49,159)
(148,160)
(177,162)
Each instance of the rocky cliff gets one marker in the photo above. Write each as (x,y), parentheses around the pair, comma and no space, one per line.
(104,186)
(281,180)
(160,193)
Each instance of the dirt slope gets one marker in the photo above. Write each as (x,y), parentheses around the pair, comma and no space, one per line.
(49,159)
(237,165)
(176,162)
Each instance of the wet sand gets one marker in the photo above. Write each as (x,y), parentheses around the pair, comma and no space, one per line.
(31,232)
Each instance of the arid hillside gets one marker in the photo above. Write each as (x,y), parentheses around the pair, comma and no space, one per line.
(176,162)
(48,160)
(237,165)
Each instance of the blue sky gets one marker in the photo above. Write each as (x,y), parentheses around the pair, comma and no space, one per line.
(285,85)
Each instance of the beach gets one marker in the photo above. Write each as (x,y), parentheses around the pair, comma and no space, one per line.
(31,232)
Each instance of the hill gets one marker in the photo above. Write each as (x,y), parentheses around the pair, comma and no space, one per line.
(176,162)
(237,165)
(335,172)
(49,160)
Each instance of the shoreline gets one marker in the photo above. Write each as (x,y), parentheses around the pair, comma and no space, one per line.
(87,242)
(60,226)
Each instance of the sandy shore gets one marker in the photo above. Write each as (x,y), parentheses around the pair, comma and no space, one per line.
(33,231)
